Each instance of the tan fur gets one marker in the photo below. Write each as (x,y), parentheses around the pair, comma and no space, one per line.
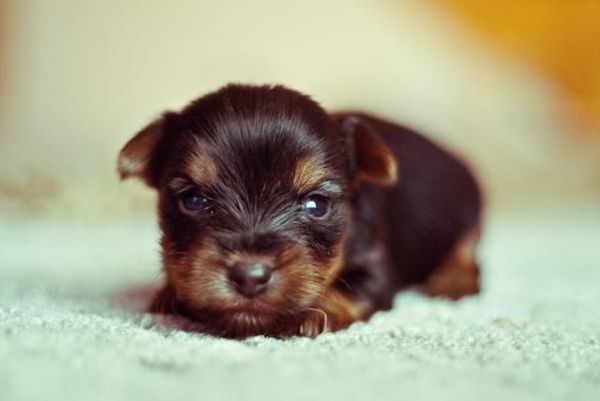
(458,275)
(200,166)
(334,264)
(297,279)
(196,277)
(309,172)
(334,310)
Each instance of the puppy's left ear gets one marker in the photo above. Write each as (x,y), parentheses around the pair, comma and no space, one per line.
(371,159)
(137,156)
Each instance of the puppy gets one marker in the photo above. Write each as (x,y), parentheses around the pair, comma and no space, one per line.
(280,219)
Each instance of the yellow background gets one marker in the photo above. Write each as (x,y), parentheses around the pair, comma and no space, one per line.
(510,85)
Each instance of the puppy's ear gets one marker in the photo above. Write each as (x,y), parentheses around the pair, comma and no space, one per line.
(136,157)
(372,161)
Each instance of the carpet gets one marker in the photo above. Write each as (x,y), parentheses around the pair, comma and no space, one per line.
(71,326)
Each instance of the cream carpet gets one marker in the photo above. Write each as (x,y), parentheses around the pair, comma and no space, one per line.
(69,330)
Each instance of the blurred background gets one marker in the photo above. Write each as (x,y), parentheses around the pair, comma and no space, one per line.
(512,86)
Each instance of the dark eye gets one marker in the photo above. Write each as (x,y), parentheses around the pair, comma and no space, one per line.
(316,205)
(192,201)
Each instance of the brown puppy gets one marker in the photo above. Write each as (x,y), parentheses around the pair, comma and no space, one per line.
(280,219)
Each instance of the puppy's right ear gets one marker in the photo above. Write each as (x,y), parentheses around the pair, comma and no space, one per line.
(137,156)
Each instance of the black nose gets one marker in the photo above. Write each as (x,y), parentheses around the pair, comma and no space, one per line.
(250,279)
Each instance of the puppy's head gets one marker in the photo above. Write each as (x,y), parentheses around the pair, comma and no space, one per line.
(255,187)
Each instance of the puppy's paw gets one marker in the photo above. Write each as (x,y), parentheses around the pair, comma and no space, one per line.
(311,323)
(335,312)
(314,323)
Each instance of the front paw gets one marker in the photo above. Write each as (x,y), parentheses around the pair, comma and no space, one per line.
(312,323)
(335,312)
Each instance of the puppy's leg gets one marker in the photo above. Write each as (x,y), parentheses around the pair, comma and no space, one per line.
(458,275)
(164,301)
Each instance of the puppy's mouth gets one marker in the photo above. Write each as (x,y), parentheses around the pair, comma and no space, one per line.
(248,317)
(236,322)
(239,316)
(262,309)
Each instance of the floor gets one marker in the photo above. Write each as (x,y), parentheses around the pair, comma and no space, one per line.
(69,329)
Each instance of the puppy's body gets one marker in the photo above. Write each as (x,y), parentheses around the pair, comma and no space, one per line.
(280,219)
(400,235)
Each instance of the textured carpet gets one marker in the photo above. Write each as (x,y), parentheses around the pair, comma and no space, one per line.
(68,330)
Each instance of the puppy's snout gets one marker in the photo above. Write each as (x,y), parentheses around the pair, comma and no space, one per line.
(250,278)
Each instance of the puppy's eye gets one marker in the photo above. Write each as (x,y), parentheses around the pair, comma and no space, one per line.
(316,205)
(192,202)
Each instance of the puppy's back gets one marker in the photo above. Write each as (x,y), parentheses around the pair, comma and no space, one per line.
(435,203)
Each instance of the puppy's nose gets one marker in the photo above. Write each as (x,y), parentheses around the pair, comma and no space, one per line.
(250,278)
